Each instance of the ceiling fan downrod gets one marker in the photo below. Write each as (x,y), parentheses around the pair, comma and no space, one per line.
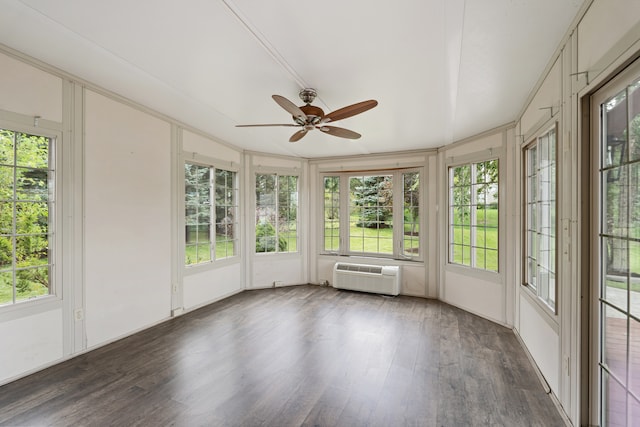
(308,95)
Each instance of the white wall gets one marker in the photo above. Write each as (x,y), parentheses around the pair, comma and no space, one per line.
(33,334)
(481,292)
(30,342)
(288,268)
(128,219)
(201,285)
(29,91)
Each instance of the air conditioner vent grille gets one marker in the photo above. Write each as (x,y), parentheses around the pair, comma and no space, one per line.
(360,268)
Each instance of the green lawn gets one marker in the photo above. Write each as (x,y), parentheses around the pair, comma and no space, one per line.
(371,240)
(200,253)
(485,250)
(30,289)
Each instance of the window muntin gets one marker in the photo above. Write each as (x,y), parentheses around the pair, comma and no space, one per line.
(540,217)
(359,220)
(276,213)
(27,200)
(331,213)
(210,214)
(473,215)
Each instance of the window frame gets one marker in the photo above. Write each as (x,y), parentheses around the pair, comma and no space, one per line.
(397,175)
(277,173)
(534,290)
(493,154)
(55,224)
(213,165)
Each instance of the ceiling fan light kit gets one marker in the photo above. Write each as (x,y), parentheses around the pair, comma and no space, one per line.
(309,117)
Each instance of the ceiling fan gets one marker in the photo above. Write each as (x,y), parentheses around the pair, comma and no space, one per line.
(309,117)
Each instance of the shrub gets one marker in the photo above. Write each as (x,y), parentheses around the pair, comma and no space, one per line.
(266,239)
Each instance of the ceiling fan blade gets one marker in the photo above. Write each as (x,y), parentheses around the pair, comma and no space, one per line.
(350,110)
(340,132)
(282,124)
(292,108)
(298,135)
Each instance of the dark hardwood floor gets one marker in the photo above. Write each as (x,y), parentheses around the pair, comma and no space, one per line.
(304,355)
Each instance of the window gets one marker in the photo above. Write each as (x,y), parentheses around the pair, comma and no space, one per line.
(26,216)
(473,215)
(276,213)
(540,217)
(411,214)
(210,214)
(360,219)
(371,214)
(331,213)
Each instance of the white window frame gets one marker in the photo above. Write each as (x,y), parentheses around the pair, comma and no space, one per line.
(473,219)
(213,165)
(398,214)
(534,288)
(277,174)
(55,218)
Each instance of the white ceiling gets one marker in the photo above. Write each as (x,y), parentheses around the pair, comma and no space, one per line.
(441,70)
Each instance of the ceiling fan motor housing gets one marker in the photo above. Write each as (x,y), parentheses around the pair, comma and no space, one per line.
(314,115)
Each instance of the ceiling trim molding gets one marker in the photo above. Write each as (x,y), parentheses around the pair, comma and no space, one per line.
(265,43)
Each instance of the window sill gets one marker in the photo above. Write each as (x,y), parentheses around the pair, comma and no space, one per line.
(30,308)
(543,308)
(213,265)
(363,259)
(489,276)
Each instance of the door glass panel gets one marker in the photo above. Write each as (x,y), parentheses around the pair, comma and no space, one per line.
(634,357)
(614,329)
(634,120)
(614,402)
(619,250)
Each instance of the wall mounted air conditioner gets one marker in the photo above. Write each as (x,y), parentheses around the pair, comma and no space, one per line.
(379,279)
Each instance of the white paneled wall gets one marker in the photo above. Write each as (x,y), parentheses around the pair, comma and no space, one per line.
(128,219)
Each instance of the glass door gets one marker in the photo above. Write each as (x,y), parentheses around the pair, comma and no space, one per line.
(616,116)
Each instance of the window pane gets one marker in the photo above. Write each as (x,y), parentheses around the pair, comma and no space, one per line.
(32,250)
(6,147)
(32,151)
(32,184)
(540,247)
(634,121)
(190,254)
(473,207)
(411,219)
(614,127)
(6,253)
(6,287)
(204,252)
(371,207)
(32,283)
(615,267)
(332,213)
(634,357)
(24,225)
(287,213)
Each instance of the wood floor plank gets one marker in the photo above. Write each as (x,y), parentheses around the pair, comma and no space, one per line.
(292,356)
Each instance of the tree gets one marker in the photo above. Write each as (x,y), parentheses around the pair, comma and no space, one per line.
(24,212)
(374,196)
